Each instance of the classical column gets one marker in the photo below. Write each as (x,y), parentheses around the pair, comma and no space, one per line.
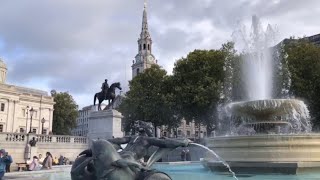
(50,119)
(13,114)
(10,117)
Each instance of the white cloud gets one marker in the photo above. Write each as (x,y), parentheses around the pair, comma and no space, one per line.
(73,45)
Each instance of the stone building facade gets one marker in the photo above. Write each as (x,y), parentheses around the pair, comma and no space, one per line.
(82,120)
(185,130)
(16,103)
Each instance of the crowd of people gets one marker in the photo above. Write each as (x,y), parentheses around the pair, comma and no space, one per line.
(40,163)
(37,163)
(185,155)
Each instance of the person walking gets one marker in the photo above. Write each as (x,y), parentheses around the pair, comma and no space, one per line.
(9,161)
(3,162)
(188,155)
(183,155)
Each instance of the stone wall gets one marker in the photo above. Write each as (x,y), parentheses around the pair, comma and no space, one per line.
(16,143)
(195,153)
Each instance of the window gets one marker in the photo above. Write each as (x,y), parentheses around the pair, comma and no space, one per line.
(188,133)
(1,127)
(21,130)
(148,46)
(138,71)
(2,107)
(35,114)
(140,47)
(144,46)
(23,113)
(34,130)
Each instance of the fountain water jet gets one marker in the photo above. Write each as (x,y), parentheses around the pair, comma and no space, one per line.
(263,134)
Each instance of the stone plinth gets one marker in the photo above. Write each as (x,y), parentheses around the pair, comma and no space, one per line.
(267,153)
(105,124)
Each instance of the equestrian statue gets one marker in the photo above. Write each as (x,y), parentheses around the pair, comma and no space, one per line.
(107,93)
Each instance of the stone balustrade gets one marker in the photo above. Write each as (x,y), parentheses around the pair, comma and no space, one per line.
(22,137)
(16,144)
(13,137)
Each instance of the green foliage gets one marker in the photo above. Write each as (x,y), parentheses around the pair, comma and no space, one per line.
(149,99)
(65,113)
(198,80)
(304,66)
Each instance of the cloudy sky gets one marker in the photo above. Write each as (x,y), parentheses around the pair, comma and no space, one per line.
(73,45)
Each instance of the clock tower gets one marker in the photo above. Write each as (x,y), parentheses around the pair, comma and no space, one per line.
(144,59)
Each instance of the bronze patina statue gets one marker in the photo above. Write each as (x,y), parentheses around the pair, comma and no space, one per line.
(103,161)
(104,88)
(107,93)
(33,142)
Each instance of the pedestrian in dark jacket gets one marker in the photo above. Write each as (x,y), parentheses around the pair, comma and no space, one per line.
(9,161)
(3,162)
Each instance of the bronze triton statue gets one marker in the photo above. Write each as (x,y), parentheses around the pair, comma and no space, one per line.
(102,161)
(107,93)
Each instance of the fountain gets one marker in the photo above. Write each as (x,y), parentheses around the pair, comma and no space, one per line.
(263,134)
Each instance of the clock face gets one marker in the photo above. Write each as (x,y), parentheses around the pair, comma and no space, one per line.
(150,59)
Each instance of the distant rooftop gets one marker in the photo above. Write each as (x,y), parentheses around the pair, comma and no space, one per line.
(315,39)
(31,91)
(25,90)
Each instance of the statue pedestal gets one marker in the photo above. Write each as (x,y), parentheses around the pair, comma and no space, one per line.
(30,151)
(105,124)
(34,152)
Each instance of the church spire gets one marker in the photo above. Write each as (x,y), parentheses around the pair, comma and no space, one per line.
(144,59)
(145,32)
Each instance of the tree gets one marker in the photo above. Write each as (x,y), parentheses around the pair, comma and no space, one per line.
(198,80)
(304,65)
(148,99)
(65,113)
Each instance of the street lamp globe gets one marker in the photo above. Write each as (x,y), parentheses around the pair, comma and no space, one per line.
(43,120)
(31,112)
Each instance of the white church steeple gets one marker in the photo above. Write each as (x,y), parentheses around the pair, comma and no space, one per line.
(144,59)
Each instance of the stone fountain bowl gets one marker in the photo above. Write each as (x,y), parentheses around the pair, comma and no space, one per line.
(289,154)
(264,110)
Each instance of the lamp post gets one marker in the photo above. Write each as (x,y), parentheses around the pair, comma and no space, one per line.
(31,114)
(27,109)
(42,121)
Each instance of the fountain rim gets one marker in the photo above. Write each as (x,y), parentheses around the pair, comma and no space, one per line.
(266,136)
(262,100)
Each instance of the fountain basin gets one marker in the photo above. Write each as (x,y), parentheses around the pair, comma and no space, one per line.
(270,116)
(289,154)
(265,109)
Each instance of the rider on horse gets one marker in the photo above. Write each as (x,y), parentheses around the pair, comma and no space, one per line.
(105,87)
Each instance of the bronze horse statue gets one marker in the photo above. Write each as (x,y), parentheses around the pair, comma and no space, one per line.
(111,95)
